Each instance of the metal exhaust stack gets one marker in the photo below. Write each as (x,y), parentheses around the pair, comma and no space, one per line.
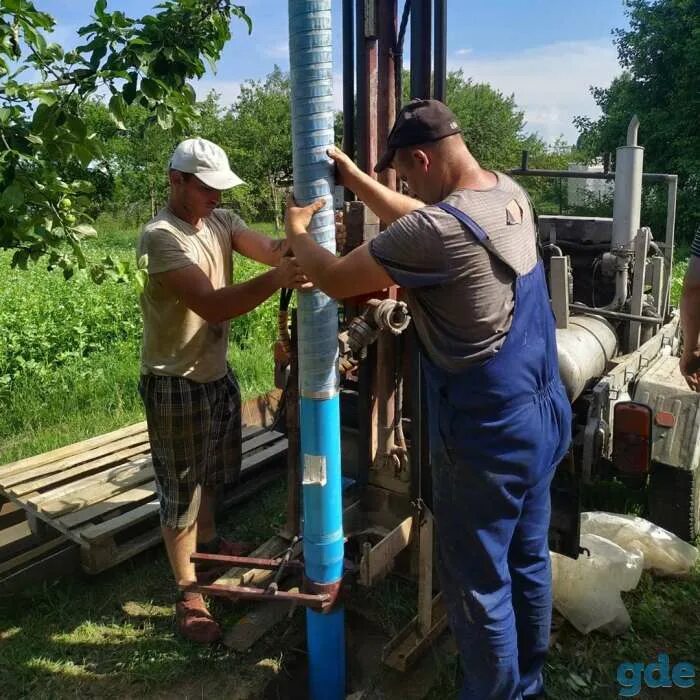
(312,127)
(627,205)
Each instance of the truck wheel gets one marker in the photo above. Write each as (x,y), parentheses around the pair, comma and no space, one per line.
(674,500)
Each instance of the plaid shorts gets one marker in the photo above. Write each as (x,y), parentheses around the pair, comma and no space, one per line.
(195,435)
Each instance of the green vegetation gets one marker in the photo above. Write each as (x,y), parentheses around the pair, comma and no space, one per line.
(660,57)
(69,369)
(69,350)
(47,146)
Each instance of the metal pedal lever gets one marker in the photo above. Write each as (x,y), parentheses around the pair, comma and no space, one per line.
(319,602)
(250,562)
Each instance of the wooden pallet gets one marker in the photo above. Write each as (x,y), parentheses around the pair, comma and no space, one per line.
(101,492)
(25,558)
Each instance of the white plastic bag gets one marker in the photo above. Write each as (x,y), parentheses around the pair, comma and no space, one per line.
(587,589)
(665,554)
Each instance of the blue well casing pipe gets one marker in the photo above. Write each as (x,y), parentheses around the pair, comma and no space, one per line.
(312,134)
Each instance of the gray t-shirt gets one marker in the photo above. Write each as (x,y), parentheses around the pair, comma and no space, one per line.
(461,296)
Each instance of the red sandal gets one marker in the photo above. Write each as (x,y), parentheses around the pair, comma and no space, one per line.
(194,621)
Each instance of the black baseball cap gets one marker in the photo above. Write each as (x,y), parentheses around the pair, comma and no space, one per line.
(420,121)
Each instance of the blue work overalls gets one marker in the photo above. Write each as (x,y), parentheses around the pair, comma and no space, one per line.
(497,432)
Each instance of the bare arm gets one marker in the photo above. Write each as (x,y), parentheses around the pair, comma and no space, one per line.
(354,274)
(194,289)
(257,246)
(384,202)
(690,324)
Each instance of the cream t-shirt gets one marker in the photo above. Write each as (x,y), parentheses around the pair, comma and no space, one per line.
(176,341)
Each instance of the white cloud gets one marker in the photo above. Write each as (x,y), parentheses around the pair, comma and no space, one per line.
(228,89)
(463,52)
(277,51)
(550,83)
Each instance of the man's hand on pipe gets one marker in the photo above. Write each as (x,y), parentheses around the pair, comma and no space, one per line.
(291,275)
(345,170)
(297,219)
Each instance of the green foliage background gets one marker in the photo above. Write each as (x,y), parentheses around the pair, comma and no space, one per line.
(660,55)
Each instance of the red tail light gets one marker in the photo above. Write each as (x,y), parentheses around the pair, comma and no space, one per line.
(632,438)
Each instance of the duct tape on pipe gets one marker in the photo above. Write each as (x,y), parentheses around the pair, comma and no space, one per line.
(314,470)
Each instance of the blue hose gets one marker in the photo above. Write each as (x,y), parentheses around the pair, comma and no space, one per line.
(312,134)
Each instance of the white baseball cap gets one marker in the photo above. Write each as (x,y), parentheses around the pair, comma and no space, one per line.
(207,162)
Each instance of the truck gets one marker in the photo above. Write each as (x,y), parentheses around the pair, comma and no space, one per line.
(618,341)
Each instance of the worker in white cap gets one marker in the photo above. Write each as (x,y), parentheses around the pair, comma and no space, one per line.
(191,395)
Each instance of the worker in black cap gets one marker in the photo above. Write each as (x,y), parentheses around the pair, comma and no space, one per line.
(464,249)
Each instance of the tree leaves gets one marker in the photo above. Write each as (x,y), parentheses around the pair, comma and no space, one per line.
(117,108)
(46,147)
(660,51)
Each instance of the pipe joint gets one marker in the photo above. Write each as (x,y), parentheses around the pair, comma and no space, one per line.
(329,592)
(390,315)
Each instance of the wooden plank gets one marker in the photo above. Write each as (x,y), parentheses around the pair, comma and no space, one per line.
(140,462)
(251,431)
(125,498)
(78,448)
(83,469)
(251,486)
(261,457)
(410,644)
(6,482)
(256,623)
(27,556)
(379,560)
(15,539)
(261,440)
(97,510)
(73,449)
(23,487)
(92,533)
(59,563)
(106,553)
(10,513)
(99,492)
(70,496)
(239,576)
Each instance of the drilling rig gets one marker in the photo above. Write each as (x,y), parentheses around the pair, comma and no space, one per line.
(617,337)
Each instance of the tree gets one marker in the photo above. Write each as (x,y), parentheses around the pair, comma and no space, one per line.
(43,127)
(660,55)
(261,139)
(492,122)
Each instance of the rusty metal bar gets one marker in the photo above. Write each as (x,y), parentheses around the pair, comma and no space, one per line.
(250,562)
(316,602)
(386,86)
(348,80)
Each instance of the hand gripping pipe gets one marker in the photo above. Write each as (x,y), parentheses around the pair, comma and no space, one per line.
(312,134)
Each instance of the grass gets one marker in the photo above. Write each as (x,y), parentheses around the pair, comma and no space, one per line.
(69,351)
(112,635)
(68,370)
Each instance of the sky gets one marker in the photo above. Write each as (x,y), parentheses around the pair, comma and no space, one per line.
(546,53)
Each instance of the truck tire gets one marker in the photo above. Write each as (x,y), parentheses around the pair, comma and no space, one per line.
(674,500)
